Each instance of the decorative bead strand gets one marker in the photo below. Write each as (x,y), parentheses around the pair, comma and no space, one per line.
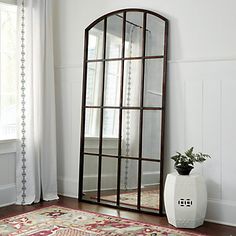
(23,152)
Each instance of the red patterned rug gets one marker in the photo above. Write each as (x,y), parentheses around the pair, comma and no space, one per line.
(56,220)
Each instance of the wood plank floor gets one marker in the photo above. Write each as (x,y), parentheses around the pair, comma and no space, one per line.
(207,229)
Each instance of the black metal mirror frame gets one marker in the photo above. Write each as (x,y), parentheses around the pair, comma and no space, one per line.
(141,108)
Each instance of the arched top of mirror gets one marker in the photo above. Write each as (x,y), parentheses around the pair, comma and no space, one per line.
(121,11)
(134,21)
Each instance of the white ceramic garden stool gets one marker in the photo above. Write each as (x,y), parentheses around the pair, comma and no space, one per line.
(185,198)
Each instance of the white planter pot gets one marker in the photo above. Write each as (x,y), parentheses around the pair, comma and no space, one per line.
(185,199)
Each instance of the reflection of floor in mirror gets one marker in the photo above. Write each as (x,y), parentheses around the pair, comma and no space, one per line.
(149,197)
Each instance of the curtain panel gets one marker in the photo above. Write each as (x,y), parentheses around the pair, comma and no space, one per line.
(36,166)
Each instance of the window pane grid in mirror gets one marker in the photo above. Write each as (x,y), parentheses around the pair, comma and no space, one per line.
(130,133)
(150,191)
(109,181)
(101,116)
(125,58)
(112,83)
(90,177)
(120,111)
(151,144)
(155,36)
(94,83)
(141,111)
(122,157)
(110,132)
(114,36)
(125,108)
(92,130)
(96,41)
(133,34)
(153,85)
(129,183)
(132,83)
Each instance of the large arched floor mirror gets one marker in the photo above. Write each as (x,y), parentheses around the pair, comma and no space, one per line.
(123,111)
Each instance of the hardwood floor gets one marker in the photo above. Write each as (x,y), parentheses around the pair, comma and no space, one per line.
(207,229)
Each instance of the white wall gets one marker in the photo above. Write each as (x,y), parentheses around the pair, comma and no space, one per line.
(201,88)
(7,173)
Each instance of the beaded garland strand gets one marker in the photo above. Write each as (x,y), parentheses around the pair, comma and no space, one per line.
(23,152)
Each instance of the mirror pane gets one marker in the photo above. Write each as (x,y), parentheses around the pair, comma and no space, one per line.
(112,83)
(130,133)
(95,41)
(90,178)
(94,83)
(110,131)
(150,191)
(151,146)
(109,180)
(153,82)
(129,183)
(155,36)
(114,36)
(92,129)
(132,83)
(133,34)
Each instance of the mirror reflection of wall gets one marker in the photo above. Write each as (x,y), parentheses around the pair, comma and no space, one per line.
(110,66)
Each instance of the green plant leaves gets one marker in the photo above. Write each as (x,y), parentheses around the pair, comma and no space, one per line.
(189,152)
(189,158)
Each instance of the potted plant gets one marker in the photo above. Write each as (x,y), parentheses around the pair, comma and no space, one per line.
(184,163)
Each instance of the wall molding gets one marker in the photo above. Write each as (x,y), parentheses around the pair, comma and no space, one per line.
(69,66)
(7,194)
(8,147)
(171,61)
(197,60)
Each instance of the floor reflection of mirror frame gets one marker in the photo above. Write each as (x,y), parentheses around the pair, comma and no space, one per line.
(142,199)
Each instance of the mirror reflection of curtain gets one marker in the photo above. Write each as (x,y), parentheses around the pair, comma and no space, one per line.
(132,78)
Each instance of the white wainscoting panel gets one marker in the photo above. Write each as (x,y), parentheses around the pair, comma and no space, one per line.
(7,173)
(68,98)
(7,194)
(211,138)
(228,140)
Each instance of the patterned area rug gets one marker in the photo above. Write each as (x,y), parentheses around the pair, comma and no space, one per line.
(62,221)
(149,199)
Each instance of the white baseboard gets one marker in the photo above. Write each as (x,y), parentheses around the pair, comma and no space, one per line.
(7,195)
(221,212)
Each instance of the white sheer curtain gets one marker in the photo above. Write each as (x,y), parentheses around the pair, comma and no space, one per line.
(36,172)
